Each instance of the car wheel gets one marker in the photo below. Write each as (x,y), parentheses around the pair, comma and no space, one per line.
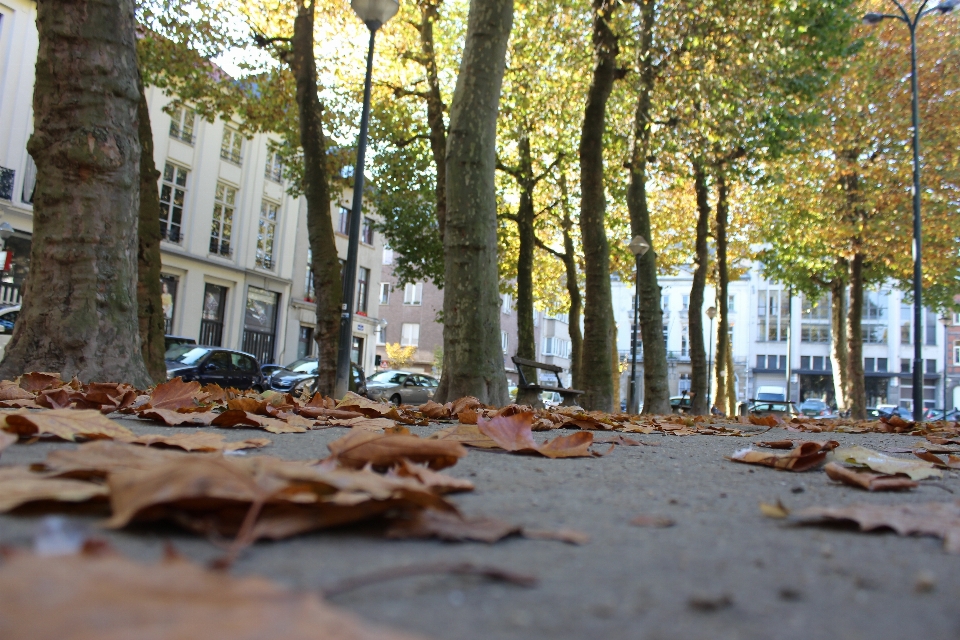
(396,399)
(257,388)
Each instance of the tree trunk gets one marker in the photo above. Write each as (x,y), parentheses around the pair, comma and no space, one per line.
(473,359)
(699,377)
(316,190)
(855,383)
(79,314)
(526,343)
(429,12)
(838,341)
(573,290)
(595,363)
(724,353)
(656,390)
(149,305)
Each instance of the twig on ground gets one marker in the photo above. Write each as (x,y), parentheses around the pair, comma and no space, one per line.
(463,568)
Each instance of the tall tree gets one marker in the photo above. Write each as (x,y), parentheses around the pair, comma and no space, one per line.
(473,360)
(79,314)
(596,363)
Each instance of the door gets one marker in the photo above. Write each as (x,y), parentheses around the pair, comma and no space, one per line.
(217,369)
(245,370)
(211,320)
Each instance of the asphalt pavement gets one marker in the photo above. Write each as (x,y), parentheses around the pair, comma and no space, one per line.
(722,571)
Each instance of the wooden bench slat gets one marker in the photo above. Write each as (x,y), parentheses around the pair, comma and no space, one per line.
(523,362)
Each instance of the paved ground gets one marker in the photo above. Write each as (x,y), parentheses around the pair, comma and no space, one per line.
(781,581)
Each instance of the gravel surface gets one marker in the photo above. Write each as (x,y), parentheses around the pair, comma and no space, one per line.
(723,571)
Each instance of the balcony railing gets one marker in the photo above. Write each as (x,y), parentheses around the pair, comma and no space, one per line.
(211,333)
(259,344)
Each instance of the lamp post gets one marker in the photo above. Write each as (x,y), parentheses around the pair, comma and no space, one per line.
(374,14)
(711,313)
(638,246)
(945,319)
(945,6)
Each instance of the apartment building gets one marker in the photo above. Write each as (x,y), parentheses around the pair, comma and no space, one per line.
(234,247)
(775,333)
(410,316)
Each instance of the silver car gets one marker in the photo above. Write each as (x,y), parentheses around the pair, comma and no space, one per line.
(401,387)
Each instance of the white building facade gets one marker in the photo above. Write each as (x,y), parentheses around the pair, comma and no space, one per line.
(234,250)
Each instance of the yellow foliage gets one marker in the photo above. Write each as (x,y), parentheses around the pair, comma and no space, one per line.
(400,356)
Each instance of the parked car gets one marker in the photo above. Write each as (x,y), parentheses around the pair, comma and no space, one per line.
(172,341)
(681,403)
(301,375)
(771,394)
(551,399)
(816,408)
(8,317)
(401,387)
(785,410)
(269,369)
(214,365)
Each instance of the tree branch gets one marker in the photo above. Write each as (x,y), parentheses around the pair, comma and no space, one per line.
(540,243)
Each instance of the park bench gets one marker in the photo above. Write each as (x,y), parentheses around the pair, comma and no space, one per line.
(569,395)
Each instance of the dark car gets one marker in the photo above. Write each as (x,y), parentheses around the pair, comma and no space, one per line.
(401,387)
(785,410)
(213,365)
(170,342)
(269,369)
(816,408)
(681,403)
(301,375)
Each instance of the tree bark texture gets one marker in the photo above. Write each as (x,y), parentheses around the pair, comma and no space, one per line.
(699,376)
(838,341)
(473,358)
(855,383)
(149,304)
(595,363)
(724,369)
(573,290)
(316,190)
(79,314)
(526,214)
(429,11)
(656,390)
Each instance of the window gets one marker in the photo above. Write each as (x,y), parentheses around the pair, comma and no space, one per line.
(664,303)
(873,321)
(413,293)
(555,347)
(274,169)
(6,183)
(366,231)
(504,342)
(956,319)
(684,341)
(309,287)
(305,342)
(182,121)
(930,328)
(666,332)
(343,226)
(505,304)
(683,384)
(815,320)
(173,191)
(266,233)
(231,146)
(761,362)
(356,351)
(222,227)
(931,366)
(387,255)
(384,293)
(882,365)
(686,306)
(409,334)
(868,365)
(956,352)
(904,365)
(363,285)
(906,324)
(730,306)
(380,332)
(805,363)
(817,363)
(773,315)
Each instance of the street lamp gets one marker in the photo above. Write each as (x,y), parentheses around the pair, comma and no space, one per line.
(638,246)
(711,313)
(945,319)
(374,14)
(945,6)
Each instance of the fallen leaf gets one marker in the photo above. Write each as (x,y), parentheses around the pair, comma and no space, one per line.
(940,519)
(20,486)
(251,405)
(769,420)
(366,424)
(238,418)
(366,406)
(100,458)
(438,482)
(11,391)
(867,480)
(360,448)
(953,462)
(106,596)
(68,424)
(805,456)
(203,441)
(617,439)
(777,444)
(58,398)
(652,521)
(570,536)
(861,456)
(464,404)
(575,445)
(468,416)
(175,418)
(513,433)
(466,434)
(452,527)
(776,510)
(20,403)
(175,394)
(434,410)
(38,381)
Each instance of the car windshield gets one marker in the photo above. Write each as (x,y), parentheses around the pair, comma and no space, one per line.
(303,365)
(770,396)
(186,354)
(389,377)
(769,406)
(814,404)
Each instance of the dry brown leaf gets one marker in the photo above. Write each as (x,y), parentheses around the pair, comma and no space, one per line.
(652,521)
(238,418)
(176,394)
(468,416)
(251,405)
(805,456)
(68,424)
(360,448)
(105,397)
(438,482)
(59,398)
(514,433)
(570,536)
(868,480)
(774,510)
(466,434)
(776,444)
(452,527)
(11,391)
(38,381)
(917,470)
(367,407)
(467,403)
(100,458)
(576,445)
(397,430)
(175,418)
(940,519)
(108,597)
(6,439)
(434,411)
(20,486)
(366,424)
(953,462)
(21,403)
(769,420)
(617,439)
(203,441)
